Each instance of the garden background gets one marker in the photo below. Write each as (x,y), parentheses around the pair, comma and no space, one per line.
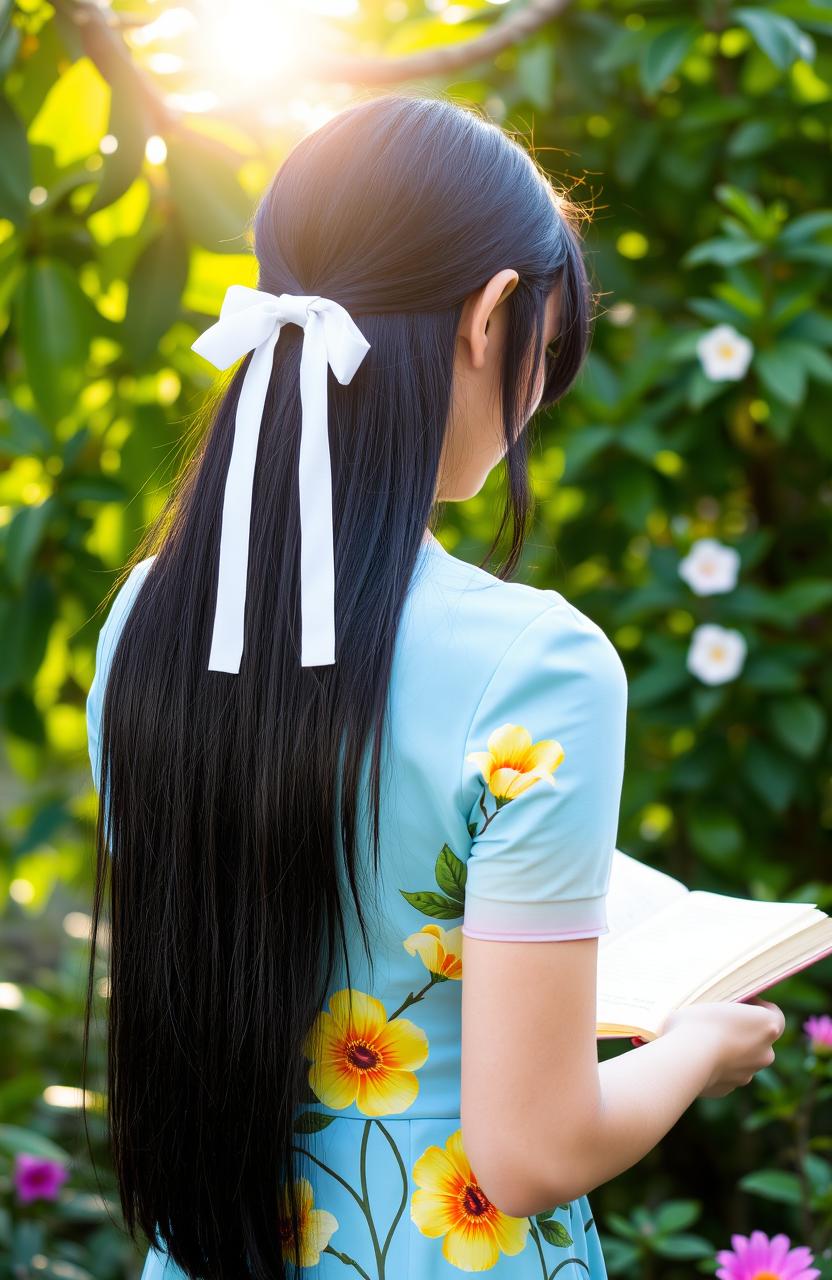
(134,142)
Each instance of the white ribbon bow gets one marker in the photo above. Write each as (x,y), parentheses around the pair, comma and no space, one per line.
(253,318)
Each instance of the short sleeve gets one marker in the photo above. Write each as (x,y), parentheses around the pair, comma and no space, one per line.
(108,638)
(543,769)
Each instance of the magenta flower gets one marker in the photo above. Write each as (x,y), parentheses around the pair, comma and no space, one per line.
(758,1258)
(36,1178)
(819,1031)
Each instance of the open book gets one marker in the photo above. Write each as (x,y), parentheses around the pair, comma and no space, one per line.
(670,946)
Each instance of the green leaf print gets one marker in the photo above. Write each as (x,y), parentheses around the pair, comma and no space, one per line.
(554,1232)
(312,1122)
(433,904)
(451,873)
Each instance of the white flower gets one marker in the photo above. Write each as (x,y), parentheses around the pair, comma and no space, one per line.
(724,353)
(716,654)
(710,567)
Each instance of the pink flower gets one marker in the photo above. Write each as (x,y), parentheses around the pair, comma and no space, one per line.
(758,1258)
(36,1178)
(819,1031)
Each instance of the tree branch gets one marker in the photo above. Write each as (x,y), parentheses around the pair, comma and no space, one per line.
(513,29)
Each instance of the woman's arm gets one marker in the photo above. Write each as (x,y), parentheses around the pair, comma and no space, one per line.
(542,1121)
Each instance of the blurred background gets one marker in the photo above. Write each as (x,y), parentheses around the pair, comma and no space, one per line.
(684,488)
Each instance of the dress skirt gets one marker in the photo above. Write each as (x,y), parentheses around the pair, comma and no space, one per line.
(396,1199)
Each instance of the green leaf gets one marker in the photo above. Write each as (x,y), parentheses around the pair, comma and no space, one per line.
(773,1184)
(752,603)
(121,167)
(677,1214)
(555,1233)
(14,1140)
(24,720)
(583,446)
(658,682)
(15,170)
(782,375)
(752,137)
(814,360)
(25,623)
(56,323)
(748,208)
(25,534)
(621,1258)
(819,1173)
(312,1122)
(799,724)
(716,834)
(617,1222)
(621,50)
(683,1246)
(212,205)
(778,36)
(94,489)
(433,904)
(636,494)
(535,72)
(10,41)
(156,286)
(723,250)
(599,384)
(22,433)
(662,56)
(770,673)
(642,141)
(451,874)
(810,595)
(83,1206)
(28,1241)
(805,227)
(70,120)
(773,776)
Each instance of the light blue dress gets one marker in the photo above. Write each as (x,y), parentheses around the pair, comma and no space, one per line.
(500,807)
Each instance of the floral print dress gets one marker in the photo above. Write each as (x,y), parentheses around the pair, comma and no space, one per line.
(504,764)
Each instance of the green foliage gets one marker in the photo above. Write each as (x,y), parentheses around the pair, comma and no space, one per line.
(699,141)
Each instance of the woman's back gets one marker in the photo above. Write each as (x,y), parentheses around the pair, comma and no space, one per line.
(501,780)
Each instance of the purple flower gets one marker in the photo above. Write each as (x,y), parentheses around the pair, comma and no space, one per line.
(819,1031)
(755,1256)
(36,1178)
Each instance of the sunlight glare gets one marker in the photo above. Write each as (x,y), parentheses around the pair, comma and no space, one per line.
(170,24)
(246,46)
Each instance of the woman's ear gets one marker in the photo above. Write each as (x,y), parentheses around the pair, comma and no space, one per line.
(480,307)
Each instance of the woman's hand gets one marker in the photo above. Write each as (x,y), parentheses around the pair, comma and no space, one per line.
(741,1033)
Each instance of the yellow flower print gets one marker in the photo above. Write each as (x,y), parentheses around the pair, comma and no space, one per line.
(440,949)
(316,1226)
(513,763)
(451,1203)
(359,1057)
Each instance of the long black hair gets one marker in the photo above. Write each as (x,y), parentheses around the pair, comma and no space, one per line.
(228,795)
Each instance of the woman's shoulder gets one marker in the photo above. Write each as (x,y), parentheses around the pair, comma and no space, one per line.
(481,623)
(125,595)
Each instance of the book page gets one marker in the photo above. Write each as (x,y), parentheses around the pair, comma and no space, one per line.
(787,957)
(636,892)
(659,964)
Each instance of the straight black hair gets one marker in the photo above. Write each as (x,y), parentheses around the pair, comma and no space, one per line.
(233,801)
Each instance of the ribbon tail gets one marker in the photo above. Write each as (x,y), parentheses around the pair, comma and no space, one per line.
(317,556)
(229,617)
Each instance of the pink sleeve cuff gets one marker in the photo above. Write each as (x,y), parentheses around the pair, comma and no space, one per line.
(534,921)
(534,937)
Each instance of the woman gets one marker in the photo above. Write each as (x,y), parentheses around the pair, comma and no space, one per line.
(302,834)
